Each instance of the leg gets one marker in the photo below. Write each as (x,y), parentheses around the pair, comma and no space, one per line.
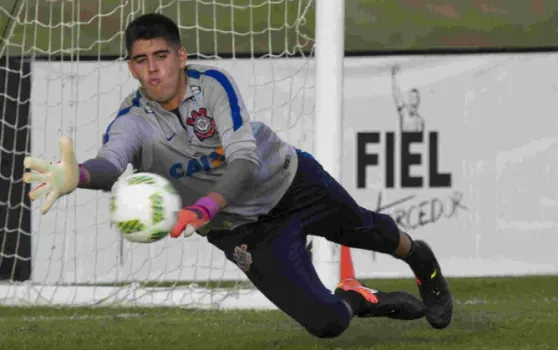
(281,268)
(330,212)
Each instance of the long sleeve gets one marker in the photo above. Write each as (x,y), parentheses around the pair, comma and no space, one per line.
(122,146)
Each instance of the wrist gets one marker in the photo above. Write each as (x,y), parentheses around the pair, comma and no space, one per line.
(217,198)
(210,205)
(84,176)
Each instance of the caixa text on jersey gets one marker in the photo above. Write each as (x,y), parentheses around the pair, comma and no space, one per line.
(205,163)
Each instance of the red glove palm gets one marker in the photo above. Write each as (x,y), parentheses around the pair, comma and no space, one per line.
(194,216)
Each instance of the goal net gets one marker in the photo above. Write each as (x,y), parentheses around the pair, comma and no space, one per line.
(63,72)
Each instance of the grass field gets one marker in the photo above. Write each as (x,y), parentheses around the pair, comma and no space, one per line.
(490,313)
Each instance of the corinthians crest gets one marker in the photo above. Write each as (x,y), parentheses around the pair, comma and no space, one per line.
(242,257)
(204,125)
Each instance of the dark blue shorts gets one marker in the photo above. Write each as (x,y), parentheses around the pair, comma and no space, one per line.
(272,252)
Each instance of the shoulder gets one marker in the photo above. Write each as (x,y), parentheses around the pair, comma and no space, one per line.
(128,114)
(129,103)
(210,76)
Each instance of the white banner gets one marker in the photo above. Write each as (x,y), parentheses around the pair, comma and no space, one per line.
(463,152)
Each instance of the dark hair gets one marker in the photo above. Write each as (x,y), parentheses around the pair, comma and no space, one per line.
(152,26)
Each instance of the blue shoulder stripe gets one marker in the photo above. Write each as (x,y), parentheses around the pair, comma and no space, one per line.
(229,90)
(123,111)
(194,74)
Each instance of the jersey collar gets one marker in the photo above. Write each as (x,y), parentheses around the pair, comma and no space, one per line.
(192,86)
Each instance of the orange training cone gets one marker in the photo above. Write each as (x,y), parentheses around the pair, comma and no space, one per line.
(347,269)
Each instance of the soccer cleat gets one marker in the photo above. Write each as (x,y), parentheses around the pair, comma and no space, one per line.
(435,293)
(396,305)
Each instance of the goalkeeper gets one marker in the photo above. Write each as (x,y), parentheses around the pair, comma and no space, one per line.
(254,196)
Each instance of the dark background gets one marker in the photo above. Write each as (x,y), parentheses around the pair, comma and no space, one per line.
(15,239)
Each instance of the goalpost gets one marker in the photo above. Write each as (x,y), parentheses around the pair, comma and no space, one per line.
(62,72)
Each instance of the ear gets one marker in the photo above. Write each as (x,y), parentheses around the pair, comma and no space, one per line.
(183,57)
(132,70)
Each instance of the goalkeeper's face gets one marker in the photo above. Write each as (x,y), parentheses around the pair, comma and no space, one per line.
(159,67)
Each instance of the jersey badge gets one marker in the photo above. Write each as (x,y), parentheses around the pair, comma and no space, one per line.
(242,258)
(195,89)
(204,125)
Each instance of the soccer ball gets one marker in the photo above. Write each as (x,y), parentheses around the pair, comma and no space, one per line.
(144,207)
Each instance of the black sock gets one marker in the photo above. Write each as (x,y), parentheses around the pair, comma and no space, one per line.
(412,249)
(356,301)
(421,260)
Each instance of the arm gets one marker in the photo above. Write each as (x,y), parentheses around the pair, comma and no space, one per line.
(234,181)
(233,124)
(122,146)
(239,145)
(59,179)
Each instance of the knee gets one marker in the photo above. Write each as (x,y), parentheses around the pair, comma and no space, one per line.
(332,330)
(386,224)
(330,326)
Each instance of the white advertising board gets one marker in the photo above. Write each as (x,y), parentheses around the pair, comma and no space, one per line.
(468,162)
(463,152)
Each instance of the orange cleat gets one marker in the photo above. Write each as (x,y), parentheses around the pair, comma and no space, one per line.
(397,305)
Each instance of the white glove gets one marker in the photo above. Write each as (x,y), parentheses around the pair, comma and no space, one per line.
(129,171)
(56,180)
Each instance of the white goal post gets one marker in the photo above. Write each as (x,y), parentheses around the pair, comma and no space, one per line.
(56,80)
(328,135)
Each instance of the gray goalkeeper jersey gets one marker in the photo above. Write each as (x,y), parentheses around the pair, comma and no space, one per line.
(193,151)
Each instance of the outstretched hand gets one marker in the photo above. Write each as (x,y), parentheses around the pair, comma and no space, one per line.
(189,220)
(56,179)
(195,216)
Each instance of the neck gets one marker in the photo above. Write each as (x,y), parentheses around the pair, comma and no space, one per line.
(174,102)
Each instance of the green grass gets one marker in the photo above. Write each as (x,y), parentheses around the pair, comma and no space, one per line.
(214,27)
(502,313)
